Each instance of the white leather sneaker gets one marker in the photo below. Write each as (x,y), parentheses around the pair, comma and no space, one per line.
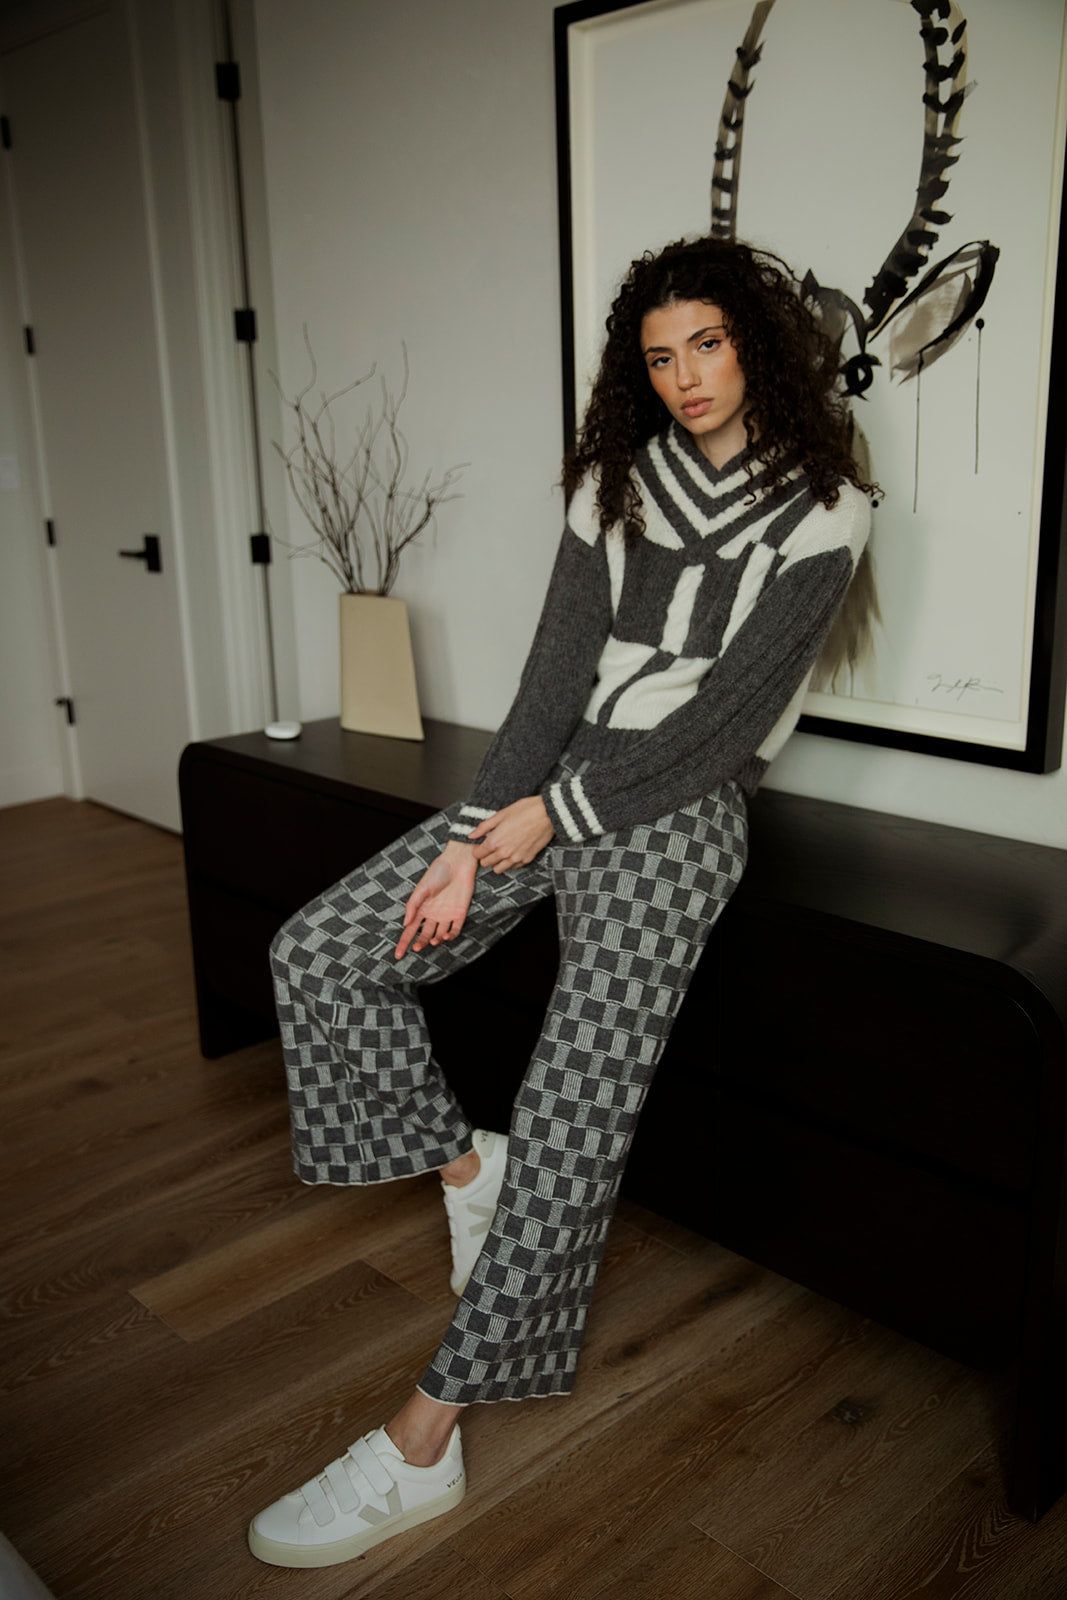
(472,1206)
(363,1497)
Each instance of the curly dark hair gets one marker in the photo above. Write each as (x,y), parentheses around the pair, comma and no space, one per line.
(795,414)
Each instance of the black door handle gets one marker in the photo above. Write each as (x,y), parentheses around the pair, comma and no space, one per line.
(149,555)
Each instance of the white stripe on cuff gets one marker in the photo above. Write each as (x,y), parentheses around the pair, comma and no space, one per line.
(476,812)
(555,794)
(578,794)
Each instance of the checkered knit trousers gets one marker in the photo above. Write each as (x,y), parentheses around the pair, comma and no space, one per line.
(369,1103)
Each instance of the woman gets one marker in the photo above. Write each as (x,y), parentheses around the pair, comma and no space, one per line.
(715,520)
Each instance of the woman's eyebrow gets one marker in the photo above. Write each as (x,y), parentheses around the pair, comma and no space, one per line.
(665,350)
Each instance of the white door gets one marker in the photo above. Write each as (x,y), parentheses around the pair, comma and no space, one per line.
(80,202)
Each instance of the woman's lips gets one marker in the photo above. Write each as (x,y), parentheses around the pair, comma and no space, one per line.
(696,408)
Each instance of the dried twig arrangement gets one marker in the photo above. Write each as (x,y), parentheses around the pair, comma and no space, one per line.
(363,515)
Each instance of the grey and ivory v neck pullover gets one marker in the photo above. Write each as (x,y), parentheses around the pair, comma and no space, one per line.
(678,660)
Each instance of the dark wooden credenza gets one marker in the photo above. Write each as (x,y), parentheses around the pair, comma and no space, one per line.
(866,1088)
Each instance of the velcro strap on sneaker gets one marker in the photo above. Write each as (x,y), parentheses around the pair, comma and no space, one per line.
(378,1474)
(345,1492)
(317,1503)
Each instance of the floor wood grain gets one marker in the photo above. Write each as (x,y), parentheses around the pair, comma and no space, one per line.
(188,1331)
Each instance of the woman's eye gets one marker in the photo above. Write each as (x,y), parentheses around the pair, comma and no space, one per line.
(658,361)
(709,344)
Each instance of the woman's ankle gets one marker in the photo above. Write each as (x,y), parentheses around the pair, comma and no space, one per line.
(422,1428)
(463,1170)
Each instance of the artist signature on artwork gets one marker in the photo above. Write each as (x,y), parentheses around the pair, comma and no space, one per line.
(959,688)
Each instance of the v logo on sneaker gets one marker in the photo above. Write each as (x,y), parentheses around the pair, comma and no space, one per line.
(393,1508)
(472,1206)
(486,1213)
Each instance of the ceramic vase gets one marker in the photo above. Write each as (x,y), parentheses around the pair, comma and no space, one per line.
(378,691)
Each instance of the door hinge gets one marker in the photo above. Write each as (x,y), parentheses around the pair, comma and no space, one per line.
(228,81)
(244,325)
(260,543)
(5,133)
(50,530)
(65,700)
(31,343)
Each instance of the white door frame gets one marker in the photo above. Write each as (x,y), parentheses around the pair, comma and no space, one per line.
(213,217)
(187,163)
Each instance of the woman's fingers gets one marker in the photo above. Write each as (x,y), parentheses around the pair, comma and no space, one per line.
(416,934)
(407,938)
(422,892)
(486,825)
(429,930)
(512,837)
(493,853)
(501,861)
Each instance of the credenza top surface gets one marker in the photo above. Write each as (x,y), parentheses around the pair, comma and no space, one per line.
(980,894)
(429,773)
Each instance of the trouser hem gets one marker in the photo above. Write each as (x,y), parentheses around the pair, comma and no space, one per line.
(492,1400)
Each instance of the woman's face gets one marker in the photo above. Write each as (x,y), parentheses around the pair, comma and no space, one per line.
(694,369)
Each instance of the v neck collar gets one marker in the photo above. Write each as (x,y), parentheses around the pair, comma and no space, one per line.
(687,446)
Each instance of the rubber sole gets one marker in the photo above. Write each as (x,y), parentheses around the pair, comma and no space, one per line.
(276,1554)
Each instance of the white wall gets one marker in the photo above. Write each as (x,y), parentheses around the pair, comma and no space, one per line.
(411,186)
(410,169)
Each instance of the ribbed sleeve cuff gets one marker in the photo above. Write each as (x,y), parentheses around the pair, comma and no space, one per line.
(570,812)
(469,817)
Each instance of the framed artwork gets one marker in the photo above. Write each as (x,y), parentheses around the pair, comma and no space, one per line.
(906,158)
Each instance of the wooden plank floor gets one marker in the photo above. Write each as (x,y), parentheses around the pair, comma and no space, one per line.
(188,1331)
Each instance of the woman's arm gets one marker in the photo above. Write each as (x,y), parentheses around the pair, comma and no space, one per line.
(558,676)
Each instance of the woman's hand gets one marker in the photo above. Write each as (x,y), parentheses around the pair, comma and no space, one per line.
(512,837)
(440,900)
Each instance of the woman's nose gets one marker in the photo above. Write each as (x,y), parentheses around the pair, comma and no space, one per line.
(688,377)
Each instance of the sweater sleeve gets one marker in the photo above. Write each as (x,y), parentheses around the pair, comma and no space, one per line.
(741,697)
(558,676)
